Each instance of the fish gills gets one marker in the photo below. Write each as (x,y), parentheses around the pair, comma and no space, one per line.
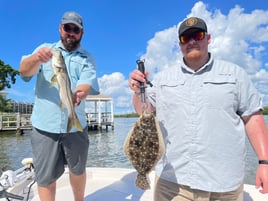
(144,146)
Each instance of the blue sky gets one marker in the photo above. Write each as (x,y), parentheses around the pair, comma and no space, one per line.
(118,32)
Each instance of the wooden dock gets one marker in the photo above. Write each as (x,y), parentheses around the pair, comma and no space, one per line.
(96,121)
(20,122)
(99,112)
(15,122)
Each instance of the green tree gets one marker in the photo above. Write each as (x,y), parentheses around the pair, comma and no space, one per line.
(265,110)
(5,104)
(7,75)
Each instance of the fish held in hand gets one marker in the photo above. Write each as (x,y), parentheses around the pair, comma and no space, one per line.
(62,79)
(144,146)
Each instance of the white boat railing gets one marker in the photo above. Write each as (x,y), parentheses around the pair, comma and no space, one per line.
(14,179)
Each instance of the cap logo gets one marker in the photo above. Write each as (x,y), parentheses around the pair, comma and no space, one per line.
(191,22)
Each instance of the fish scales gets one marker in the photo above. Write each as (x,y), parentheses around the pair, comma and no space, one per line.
(61,78)
(144,146)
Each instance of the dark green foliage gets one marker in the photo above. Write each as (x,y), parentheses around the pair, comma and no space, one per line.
(5,104)
(7,75)
(129,115)
(265,110)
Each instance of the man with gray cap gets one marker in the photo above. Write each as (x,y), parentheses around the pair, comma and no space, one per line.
(206,108)
(52,145)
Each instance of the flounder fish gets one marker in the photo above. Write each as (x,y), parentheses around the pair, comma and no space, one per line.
(144,146)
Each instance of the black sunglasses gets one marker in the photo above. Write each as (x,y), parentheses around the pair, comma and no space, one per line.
(67,28)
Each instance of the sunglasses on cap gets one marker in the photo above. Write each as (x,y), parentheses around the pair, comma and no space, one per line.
(199,35)
(67,28)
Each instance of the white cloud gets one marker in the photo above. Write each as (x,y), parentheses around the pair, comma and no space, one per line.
(116,86)
(262,75)
(110,84)
(162,50)
(238,37)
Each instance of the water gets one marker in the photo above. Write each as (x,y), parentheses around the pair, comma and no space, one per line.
(105,149)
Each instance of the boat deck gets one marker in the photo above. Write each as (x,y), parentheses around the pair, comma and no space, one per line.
(106,184)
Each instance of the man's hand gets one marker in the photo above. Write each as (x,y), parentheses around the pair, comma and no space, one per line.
(262,178)
(78,96)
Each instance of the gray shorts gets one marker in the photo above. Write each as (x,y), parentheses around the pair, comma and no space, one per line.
(52,151)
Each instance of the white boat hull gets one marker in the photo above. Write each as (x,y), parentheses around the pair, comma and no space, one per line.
(106,184)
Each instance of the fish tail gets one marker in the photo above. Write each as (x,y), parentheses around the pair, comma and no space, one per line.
(70,123)
(74,121)
(142,182)
(77,123)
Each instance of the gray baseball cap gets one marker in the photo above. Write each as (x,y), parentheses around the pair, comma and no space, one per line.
(72,17)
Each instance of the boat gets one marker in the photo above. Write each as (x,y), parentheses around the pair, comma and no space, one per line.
(103,184)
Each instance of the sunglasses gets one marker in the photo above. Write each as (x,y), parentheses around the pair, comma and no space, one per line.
(67,28)
(200,35)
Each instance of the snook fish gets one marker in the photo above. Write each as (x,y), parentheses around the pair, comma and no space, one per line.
(144,146)
(61,78)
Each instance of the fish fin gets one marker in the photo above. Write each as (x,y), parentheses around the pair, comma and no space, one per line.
(142,182)
(61,105)
(69,124)
(53,80)
(77,123)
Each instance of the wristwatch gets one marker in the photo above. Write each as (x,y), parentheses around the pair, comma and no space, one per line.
(263,162)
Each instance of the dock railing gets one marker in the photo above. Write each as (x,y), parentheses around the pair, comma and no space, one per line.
(98,120)
(17,122)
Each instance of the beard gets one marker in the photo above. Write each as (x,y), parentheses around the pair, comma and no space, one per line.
(193,54)
(70,42)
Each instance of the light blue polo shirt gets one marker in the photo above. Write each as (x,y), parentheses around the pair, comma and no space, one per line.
(47,114)
(199,114)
